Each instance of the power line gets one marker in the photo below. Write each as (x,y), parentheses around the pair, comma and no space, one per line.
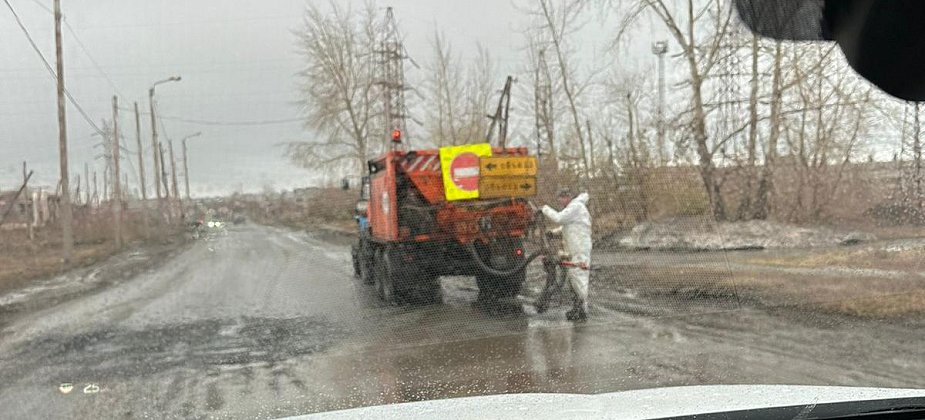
(92,60)
(48,66)
(84,48)
(235,123)
(222,123)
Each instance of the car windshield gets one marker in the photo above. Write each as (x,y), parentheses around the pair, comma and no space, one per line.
(220,209)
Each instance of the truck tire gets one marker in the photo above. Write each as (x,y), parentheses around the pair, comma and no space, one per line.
(428,289)
(383,278)
(355,257)
(492,288)
(366,259)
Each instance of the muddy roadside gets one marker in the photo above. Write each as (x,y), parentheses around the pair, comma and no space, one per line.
(35,292)
(879,282)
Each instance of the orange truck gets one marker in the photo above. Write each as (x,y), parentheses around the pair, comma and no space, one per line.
(411,234)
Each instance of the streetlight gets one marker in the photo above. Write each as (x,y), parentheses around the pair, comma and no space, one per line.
(160,174)
(660,48)
(185,164)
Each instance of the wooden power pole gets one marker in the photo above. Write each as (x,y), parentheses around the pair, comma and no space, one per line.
(185,171)
(173,178)
(28,198)
(141,171)
(67,217)
(87,181)
(154,145)
(141,160)
(163,173)
(116,179)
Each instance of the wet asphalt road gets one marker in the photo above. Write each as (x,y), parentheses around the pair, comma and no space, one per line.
(260,322)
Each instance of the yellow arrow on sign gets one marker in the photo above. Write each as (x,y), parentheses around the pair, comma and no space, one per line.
(508,166)
(507,186)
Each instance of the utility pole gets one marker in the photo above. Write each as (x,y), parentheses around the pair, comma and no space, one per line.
(163,174)
(67,217)
(159,170)
(141,171)
(141,160)
(116,180)
(95,185)
(917,155)
(155,148)
(87,181)
(173,171)
(590,144)
(660,48)
(25,174)
(185,171)
(173,175)
(501,115)
(186,163)
(27,197)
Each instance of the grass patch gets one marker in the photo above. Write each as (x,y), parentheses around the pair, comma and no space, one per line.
(901,259)
(23,260)
(890,306)
(863,297)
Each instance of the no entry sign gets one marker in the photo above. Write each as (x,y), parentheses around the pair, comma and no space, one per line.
(460,166)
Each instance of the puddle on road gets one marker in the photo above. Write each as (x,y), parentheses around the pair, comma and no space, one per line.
(119,352)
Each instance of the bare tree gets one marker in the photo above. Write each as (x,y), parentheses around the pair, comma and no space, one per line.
(445,94)
(557,21)
(458,96)
(833,113)
(338,94)
(479,94)
(541,89)
(699,30)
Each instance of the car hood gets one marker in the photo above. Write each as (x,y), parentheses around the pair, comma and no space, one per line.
(641,404)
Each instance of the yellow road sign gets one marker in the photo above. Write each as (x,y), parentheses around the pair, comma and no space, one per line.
(508,166)
(460,167)
(507,186)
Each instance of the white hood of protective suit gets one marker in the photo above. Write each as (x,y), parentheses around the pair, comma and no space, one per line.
(582,198)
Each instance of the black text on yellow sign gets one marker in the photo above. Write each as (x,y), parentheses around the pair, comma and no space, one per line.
(507,186)
(508,166)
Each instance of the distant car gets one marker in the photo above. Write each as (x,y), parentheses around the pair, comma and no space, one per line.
(239,219)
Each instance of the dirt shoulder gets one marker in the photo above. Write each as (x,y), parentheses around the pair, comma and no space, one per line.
(857,282)
(97,267)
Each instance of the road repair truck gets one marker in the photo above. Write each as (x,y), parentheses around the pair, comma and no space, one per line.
(451,211)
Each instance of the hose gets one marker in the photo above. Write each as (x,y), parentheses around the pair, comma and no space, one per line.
(495,272)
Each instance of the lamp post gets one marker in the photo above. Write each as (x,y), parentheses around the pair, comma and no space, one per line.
(660,48)
(160,174)
(186,164)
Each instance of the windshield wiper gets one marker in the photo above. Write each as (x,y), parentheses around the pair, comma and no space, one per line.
(897,408)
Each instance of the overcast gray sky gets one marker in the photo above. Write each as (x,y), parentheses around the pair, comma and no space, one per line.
(237,60)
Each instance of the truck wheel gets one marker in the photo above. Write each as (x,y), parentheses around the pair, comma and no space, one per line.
(492,288)
(429,290)
(366,258)
(355,256)
(385,286)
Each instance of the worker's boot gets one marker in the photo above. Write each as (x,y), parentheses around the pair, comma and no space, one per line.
(578,313)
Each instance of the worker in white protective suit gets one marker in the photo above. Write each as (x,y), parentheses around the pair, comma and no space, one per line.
(575,222)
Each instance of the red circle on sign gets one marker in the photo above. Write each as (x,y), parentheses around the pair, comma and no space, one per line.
(464,171)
